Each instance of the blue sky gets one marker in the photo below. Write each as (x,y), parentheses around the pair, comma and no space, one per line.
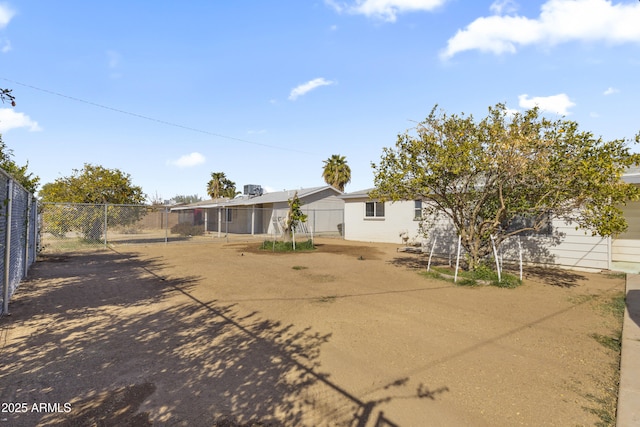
(264,91)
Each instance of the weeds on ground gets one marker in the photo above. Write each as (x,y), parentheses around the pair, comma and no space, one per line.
(327,298)
(480,276)
(606,406)
(187,230)
(299,267)
(280,246)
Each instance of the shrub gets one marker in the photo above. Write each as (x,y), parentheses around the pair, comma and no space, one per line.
(280,246)
(185,229)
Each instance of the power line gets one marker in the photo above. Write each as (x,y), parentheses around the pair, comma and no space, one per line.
(140,116)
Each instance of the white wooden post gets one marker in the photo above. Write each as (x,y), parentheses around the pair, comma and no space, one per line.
(433,246)
(455,277)
(520,253)
(495,255)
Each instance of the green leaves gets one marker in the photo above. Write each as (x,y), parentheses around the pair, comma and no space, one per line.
(20,173)
(336,172)
(486,174)
(220,186)
(93,184)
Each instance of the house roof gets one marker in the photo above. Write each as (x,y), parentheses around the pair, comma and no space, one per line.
(632,175)
(267,198)
(361,194)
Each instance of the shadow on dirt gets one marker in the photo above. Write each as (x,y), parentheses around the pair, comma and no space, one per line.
(123,346)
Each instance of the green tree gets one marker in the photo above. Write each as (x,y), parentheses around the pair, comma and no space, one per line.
(186,199)
(294,217)
(20,173)
(220,186)
(92,185)
(507,175)
(336,172)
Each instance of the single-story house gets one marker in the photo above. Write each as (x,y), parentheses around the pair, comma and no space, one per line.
(265,213)
(561,244)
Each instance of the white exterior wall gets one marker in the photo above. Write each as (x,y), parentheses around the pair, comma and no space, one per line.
(626,246)
(398,218)
(567,247)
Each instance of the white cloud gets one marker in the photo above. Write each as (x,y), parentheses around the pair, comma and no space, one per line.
(557,104)
(500,7)
(610,91)
(9,119)
(560,21)
(188,160)
(308,86)
(5,45)
(386,10)
(6,13)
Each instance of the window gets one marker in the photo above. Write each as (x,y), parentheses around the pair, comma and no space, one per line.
(524,221)
(374,210)
(417,211)
(229,214)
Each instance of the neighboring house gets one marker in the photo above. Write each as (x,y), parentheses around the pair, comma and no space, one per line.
(561,244)
(264,214)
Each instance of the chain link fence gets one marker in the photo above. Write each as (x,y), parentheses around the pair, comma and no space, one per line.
(77,226)
(18,236)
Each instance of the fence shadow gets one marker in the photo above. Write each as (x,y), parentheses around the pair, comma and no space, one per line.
(120,345)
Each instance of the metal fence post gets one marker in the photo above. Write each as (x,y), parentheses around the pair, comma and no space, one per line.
(105,225)
(35,206)
(166,229)
(26,239)
(7,248)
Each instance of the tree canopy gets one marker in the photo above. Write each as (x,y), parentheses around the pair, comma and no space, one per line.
(93,184)
(81,194)
(20,173)
(186,198)
(220,186)
(27,179)
(508,174)
(336,172)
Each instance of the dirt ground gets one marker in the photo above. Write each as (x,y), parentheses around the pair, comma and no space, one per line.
(349,334)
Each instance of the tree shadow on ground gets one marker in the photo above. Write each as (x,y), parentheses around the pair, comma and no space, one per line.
(123,346)
(553,276)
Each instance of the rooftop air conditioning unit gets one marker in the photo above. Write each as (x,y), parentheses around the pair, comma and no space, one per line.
(252,190)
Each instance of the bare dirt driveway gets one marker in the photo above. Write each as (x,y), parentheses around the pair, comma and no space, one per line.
(349,334)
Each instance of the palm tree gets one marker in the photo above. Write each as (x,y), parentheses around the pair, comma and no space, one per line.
(336,172)
(214,186)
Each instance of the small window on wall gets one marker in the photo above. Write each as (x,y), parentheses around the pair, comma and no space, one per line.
(374,210)
(229,215)
(417,211)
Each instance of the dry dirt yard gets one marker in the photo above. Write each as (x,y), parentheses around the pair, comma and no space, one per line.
(349,334)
